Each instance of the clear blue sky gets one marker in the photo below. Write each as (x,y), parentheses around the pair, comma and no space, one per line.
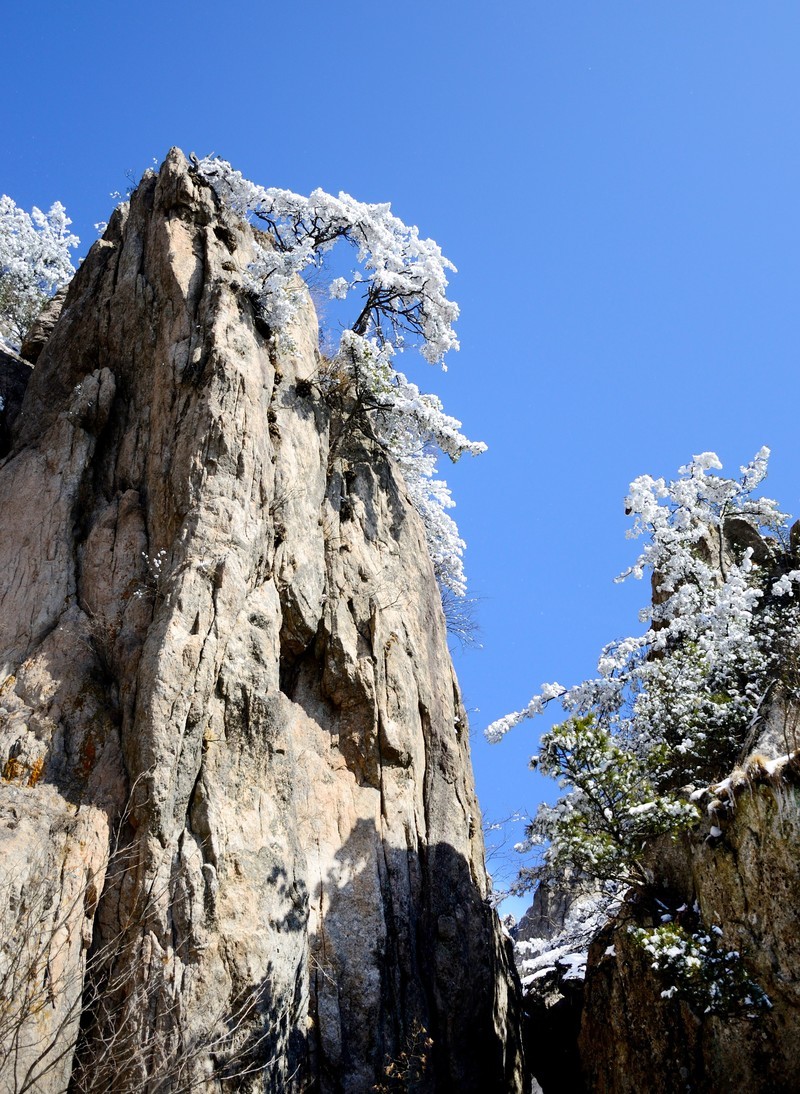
(618,183)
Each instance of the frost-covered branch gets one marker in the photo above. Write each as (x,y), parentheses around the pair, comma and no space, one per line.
(414,428)
(676,703)
(402,280)
(34,262)
(401,286)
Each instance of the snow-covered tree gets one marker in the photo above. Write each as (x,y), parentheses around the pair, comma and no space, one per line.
(679,703)
(34,262)
(414,428)
(400,284)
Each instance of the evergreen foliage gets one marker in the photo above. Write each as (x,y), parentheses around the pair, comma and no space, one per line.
(677,705)
(401,283)
(34,262)
(698,968)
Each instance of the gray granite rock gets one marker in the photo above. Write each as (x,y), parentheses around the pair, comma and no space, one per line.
(225,685)
(42,327)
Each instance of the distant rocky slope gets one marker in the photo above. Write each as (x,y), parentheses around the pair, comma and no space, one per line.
(239,841)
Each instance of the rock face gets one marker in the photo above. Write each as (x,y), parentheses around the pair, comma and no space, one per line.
(14,376)
(238,826)
(745,881)
(42,327)
(616,1031)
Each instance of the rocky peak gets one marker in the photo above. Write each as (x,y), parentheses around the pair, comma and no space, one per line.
(238,823)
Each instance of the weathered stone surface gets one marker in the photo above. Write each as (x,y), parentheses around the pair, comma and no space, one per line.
(225,685)
(748,883)
(42,327)
(14,376)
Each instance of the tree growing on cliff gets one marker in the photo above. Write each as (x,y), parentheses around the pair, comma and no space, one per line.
(400,284)
(678,704)
(34,262)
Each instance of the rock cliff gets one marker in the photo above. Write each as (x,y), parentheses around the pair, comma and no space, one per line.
(240,845)
(684,976)
(617,1028)
(741,877)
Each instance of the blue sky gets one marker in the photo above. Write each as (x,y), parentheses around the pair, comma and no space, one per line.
(618,185)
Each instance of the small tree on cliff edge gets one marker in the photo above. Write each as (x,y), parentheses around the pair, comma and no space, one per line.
(401,286)
(34,262)
(680,703)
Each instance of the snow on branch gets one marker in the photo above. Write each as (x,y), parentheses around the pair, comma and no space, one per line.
(414,428)
(401,290)
(34,262)
(680,702)
(403,286)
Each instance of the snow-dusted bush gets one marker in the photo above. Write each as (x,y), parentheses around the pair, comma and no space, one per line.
(602,827)
(696,966)
(678,702)
(34,262)
(401,287)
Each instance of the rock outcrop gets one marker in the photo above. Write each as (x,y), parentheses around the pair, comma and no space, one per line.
(551,944)
(42,327)
(14,376)
(690,980)
(743,882)
(239,836)
(620,1027)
